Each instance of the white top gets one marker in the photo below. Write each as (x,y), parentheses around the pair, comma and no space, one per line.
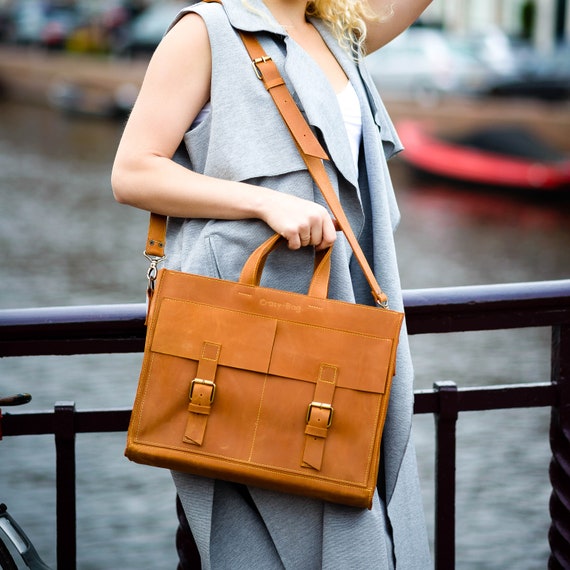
(352,115)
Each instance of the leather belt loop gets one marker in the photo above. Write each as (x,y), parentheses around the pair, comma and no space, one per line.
(320,414)
(156,240)
(202,394)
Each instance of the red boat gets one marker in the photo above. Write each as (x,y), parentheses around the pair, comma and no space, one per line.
(498,156)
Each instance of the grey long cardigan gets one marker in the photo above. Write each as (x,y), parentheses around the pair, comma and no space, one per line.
(244,138)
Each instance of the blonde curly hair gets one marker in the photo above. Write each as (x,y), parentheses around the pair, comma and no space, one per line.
(347,20)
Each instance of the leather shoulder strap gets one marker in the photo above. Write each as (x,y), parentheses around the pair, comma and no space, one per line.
(306,141)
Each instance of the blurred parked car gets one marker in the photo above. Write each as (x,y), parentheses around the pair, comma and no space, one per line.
(39,23)
(59,23)
(27,21)
(146,30)
(84,25)
(5,23)
(543,76)
(423,65)
(493,47)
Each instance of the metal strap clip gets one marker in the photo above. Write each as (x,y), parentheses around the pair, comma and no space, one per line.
(152,272)
(382,304)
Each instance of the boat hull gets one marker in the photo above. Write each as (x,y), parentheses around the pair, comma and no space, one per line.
(432,154)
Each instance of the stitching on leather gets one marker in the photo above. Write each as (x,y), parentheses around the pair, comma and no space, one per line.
(211,345)
(285,320)
(324,366)
(257,419)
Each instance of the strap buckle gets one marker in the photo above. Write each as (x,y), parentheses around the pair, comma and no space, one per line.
(321,406)
(203,383)
(255,63)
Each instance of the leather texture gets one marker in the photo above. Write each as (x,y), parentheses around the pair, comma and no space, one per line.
(265,387)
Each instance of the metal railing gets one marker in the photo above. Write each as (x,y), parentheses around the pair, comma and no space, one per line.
(120,329)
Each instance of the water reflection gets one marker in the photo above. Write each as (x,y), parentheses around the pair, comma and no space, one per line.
(458,236)
(66,239)
(464,236)
(66,242)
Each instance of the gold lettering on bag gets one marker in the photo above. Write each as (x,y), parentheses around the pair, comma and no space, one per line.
(277,305)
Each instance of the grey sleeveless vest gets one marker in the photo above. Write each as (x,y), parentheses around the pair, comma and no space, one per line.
(244,139)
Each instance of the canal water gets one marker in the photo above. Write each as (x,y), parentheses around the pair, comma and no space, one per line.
(65,241)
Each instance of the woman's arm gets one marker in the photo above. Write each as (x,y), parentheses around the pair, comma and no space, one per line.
(403,14)
(175,89)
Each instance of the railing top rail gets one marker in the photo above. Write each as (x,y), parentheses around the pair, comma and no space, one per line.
(533,291)
(120,328)
(488,307)
(87,329)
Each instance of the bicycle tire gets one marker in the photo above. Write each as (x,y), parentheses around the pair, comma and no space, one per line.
(6,560)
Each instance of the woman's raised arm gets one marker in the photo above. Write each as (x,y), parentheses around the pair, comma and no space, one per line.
(402,14)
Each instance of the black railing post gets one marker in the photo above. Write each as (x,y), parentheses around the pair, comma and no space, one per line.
(445,421)
(65,485)
(188,555)
(559,534)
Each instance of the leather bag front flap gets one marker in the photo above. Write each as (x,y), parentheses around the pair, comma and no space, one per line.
(277,345)
(361,361)
(182,328)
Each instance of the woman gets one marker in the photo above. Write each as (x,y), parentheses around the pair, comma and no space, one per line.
(237,178)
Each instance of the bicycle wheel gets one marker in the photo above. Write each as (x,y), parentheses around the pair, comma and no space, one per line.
(6,560)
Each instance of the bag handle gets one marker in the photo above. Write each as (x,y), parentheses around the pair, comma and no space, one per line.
(310,149)
(253,267)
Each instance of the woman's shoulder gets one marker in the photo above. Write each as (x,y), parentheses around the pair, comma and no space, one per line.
(188,30)
(206,10)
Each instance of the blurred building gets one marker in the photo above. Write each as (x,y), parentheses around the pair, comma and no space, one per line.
(544,23)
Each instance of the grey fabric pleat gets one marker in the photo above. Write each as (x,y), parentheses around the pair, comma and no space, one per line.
(281,532)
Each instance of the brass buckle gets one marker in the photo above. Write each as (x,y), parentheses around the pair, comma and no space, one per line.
(255,62)
(321,406)
(203,383)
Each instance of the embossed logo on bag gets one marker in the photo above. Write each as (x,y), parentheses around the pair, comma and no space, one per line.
(277,305)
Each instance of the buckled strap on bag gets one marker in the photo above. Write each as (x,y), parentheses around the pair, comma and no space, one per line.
(319,417)
(202,394)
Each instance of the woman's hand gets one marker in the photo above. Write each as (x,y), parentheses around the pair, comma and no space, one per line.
(299,221)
